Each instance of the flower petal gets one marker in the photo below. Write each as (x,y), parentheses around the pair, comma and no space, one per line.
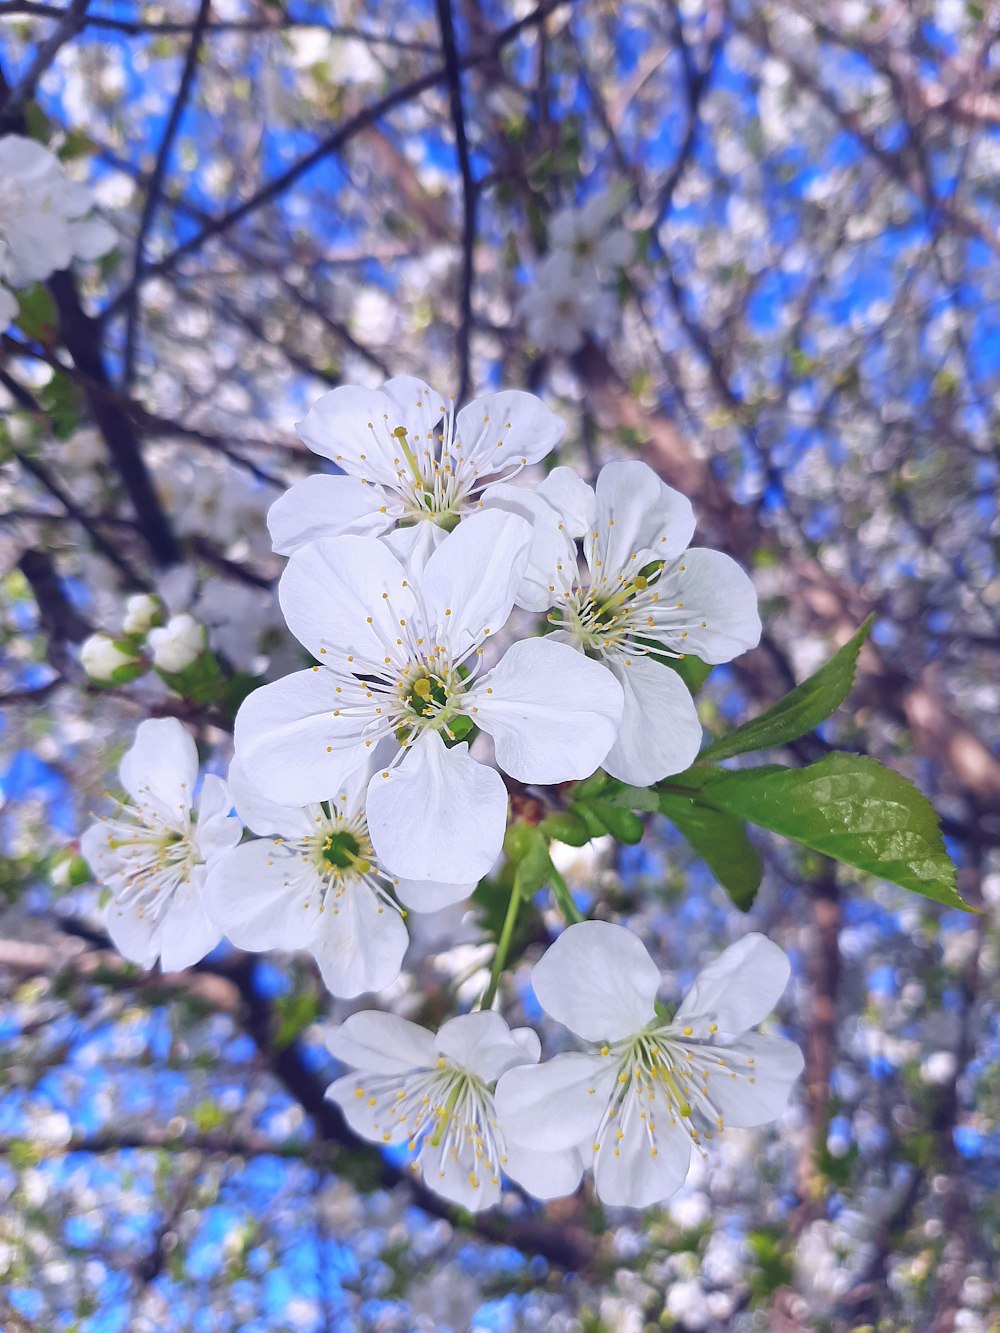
(161,768)
(461,1176)
(366,1119)
(551,545)
(427,895)
(265,896)
(414,546)
(331,595)
(553,713)
(660,732)
(573,500)
(598,980)
(506,427)
(739,988)
(264,816)
(483,1043)
(360,943)
(324,506)
(551,1106)
(470,581)
(628,1172)
(382,1043)
(544,1174)
(186,932)
(636,513)
(290,744)
(717,591)
(217,830)
(772,1063)
(353,428)
(439,814)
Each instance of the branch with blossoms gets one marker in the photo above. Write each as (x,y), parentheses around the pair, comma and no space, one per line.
(369,781)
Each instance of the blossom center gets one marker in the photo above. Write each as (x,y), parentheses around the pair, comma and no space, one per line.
(663,1082)
(627,614)
(447,1112)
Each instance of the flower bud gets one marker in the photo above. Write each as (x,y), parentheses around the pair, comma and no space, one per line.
(142,612)
(105,660)
(177,644)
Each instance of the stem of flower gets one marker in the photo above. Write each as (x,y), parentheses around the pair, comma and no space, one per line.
(563,897)
(503,945)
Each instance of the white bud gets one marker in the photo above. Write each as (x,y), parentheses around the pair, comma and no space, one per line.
(142,612)
(101,657)
(177,644)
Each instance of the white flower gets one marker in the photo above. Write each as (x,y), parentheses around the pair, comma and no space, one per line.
(410,463)
(643,600)
(653,1089)
(564,304)
(101,657)
(142,612)
(39,208)
(152,855)
(312,881)
(434,1094)
(394,649)
(177,644)
(589,235)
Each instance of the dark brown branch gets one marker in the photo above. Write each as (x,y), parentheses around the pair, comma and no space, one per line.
(470,192)
(155,191)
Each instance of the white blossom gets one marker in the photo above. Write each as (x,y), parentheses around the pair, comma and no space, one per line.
(142,612)
(649,1090)
(645,599)
(178,643)
(101,657)
(394,648)
(42,224)
(411,466)
(312,881)
(153,852)
(434,1093)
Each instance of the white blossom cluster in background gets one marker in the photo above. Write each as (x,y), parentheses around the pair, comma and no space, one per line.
(571,294)
(43,220)
(372,782)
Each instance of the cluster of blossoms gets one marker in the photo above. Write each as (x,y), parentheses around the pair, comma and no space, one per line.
(372,780)
(43,222)
(147,637)
(572,287)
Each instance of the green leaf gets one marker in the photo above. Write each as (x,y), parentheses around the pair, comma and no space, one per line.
(850,807)
(37,315)
(722,843)
(801,710)
(294,1013)
(63,402)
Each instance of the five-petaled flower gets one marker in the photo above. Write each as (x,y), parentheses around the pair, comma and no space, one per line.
(649,1090)
(312,881)
(433,1092)
(400,656)
(412,467)
(153,856)
(645,599)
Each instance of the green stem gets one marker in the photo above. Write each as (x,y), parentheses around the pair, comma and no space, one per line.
(503,947)
(562,895)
